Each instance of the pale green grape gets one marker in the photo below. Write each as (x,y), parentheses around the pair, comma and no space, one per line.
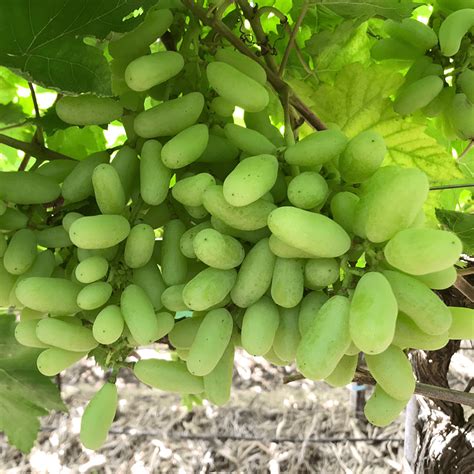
(287,336)
(308,190)
(381,409)
(21,252)
(174,266)
(189,191)
(94,295)
(108,189)
(108,325)
(320,272)
(54,360)
(218,383)
(139,246)
(287,282)
(310,305)
(92,269)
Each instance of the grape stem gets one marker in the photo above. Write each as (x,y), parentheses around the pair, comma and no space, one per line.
(451,186)
(423,389)
(466,150)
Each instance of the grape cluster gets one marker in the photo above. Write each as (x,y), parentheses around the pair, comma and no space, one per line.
(209,235)
(440,79)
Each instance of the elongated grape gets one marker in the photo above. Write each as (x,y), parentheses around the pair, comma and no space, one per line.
(236,87)
(149,278)
(219,150)
(271,357)
(326,340)
(65,335)
(108,189)
(222,107)
(127,166)
(320,272)
(287,336)
(344,372)
(373,313)
(54,360)
(94,295)
(317,148)
(218,383)
(208,288)
(139,314)
(184,331)
(53,237)
(462,326)
(218,250)
(25,334)
(108,253)
(108,325)
(3,245)
(170,117)
(92,269)
(22,187)
(187,239)
(391,48)
(28,314)
(21,252)
(99,232)
(393,372)
(259,326)
(409,335)
(260,121)
(255,275)
(283,250)
(243,63)
(172,298)
(307,190)
(460,113)
(310,305)
(13,219)
(189,191)
(453,29)
(173,262)
(313,233)
(57,169)
(413,32)
(98,416)
(248,140)
(88,109)
(418,94)
(139,246)
(170,376)
(252,236)
(165,323)
(439,280)
(69,218)
(287,282)
(203,356)
(157,216)
(7,282)
(381,409)
(466,83)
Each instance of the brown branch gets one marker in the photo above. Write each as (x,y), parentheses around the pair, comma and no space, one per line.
(464,287)
(466,271)
(423,389)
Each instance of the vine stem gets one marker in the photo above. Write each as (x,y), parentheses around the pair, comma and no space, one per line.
(451,186)
(423,389)
(466,150)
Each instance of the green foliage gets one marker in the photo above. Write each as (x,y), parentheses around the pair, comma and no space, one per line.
(460,223)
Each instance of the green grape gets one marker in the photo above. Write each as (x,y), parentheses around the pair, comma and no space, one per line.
(218,250)
(94,295)
(187,239)
(69,218)
(390,48)
(108,325)
(222,107)
(255,275)
(287,336)
(65,335)
(218,383)
(92,269)
(57,169)
(78,184)
(362,157)
(54,360)
(28,314)
(170,117)
(3,207)
(12,219)
(23,187)
(139,314)
(182,354)
(219,150)
(139,246)
(236,87)
(259,326)
(422,251)
(127,165)
(98,417)
(108,189)
(455,4)
(418,302)
(352,350)
(344,372)
(88,109)
(279,190)
(287,282)
(343,208)
(271,357)
(283,250)
(49,295)
(381,409)
(260,121)
(378,215)
(108,253)
(189,191)
(21,252)
(99,232)
(440,280)
(409,336)
(148,71)
(461,116)
(413,32)
(308,190)
(418,94)
(198,212)
(25,334)
(252,236)
(250,180)
(453,29)
(466,82)
(184,331)
(216,327)
(248,140)
(462,326)
(320,272)
(170,376)
(165,323)
(53,237)
(208,288)
(132,43)
(242,63)
(310,305)
(393,372)
(373,314)
(172,298)
(310,232)
(420,68)
(317,148)
(3,245)
(250,217)
(174,266)
(326,340)
(158,216)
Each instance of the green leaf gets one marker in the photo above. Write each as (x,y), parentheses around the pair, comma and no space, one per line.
(461,224)
(43,41)
(11,113)
(25,394)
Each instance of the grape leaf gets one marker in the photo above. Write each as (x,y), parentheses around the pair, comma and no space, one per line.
(43,41)
(11,113)
(461,224)
(25,394)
